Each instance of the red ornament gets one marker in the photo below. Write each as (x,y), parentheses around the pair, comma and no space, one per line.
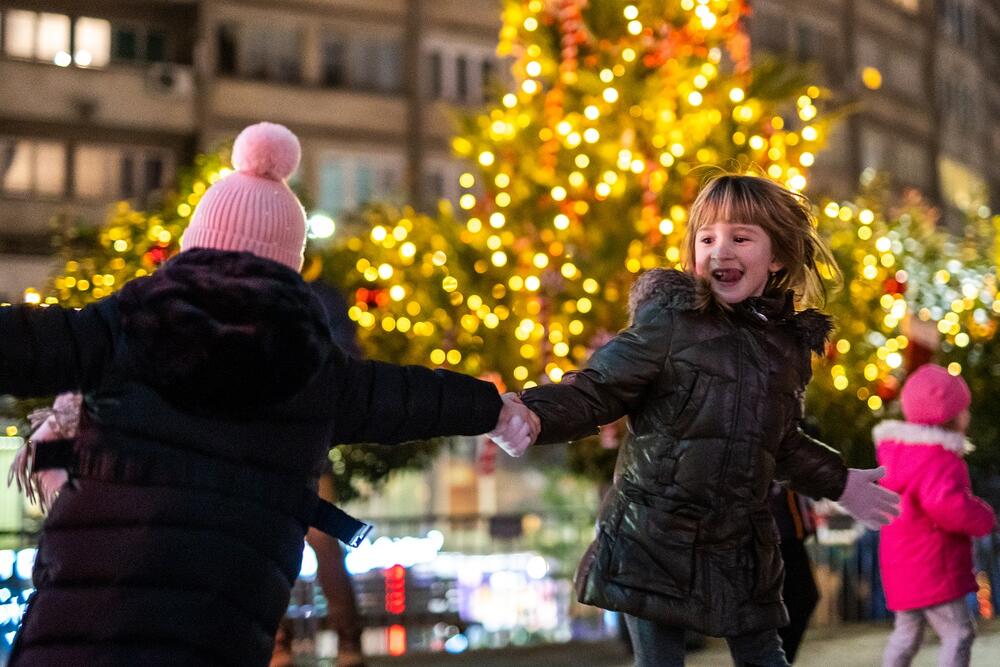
(887,388)
(893,286)
(156,255)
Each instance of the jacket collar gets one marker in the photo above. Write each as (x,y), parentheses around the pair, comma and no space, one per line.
(682,291)
(772,306)
(907,433)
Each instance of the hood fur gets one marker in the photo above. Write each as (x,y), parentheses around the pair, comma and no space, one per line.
(683,291)
(906,433)
(221,330)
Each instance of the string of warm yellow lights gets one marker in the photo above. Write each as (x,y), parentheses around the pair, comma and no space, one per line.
(585,167)
(911,290)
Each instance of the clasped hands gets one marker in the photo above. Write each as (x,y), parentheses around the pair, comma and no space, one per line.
(517,426)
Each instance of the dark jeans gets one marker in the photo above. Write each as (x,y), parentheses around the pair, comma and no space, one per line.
(663,646)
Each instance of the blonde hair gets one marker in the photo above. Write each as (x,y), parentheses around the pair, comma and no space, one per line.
(786,217)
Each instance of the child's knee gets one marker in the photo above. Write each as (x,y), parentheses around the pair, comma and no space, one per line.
(962,635)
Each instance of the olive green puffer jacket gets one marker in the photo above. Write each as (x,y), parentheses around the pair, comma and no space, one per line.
(714,402)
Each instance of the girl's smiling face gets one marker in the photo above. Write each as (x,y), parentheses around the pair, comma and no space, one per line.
(736,259)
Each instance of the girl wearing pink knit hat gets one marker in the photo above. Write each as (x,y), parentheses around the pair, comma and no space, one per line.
(211,393)
(925,555)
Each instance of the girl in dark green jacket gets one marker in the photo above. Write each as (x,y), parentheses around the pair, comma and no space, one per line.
(711,373)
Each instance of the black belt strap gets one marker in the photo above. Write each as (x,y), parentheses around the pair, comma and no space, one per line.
(337,523)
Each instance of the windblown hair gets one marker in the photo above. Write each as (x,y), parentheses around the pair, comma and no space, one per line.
(786,216)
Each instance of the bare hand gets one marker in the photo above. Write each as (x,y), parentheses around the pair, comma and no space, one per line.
(517,426)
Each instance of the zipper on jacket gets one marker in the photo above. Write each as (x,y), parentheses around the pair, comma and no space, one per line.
(736,412)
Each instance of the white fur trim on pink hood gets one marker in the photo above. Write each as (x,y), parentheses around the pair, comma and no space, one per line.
(907,433)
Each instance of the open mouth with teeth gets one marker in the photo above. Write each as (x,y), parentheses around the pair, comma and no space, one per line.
(727,276)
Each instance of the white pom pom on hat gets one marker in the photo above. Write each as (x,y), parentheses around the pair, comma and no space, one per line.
(252,209)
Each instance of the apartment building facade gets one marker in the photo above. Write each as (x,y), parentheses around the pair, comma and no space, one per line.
(103,100)
(920,78)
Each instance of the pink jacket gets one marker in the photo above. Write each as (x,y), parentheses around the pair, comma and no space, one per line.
(926,554)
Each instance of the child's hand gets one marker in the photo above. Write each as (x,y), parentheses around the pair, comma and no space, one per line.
(43,486)
(872,505)
(517,427)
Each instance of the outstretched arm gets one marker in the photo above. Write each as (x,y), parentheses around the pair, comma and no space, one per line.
(809,466)
(389,404)
(47,350)
(611,385)
(815,470)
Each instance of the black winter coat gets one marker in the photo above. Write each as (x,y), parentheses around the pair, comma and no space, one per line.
(714,402)
(212,394)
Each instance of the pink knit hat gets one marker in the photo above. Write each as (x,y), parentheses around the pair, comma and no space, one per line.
(252,209)
(933,396)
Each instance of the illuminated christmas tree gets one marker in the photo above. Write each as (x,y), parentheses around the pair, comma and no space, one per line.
(585,169)
(912,293)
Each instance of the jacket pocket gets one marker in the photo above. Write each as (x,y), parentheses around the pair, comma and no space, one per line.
(689,406)
(769,570)
(654,551)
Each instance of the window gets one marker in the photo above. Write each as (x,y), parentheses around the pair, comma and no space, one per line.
(959,104)
(902,73)
(440,181)
(19,33)
(487,73)
(957,18)
(907,161)
(118,172)
(156,46)
(52,40)
(16,165)
(462,78)
(911,6)
(350,180)
(389,60)
(125,44)
(912,164)
(375,64)
(226,46)
(29,166)
(131,43)
(437,78)
(126,177)
(270,54)
(46,37)
(94,171)
(92,42)
(874,154)
(433,187)
(818,46)
(334,62)
(332,191)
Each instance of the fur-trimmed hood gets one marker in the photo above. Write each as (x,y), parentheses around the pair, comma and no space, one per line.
(893,431)
(683,291)
(223,330)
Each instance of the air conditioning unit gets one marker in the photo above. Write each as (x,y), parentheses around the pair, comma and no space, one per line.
(169,79)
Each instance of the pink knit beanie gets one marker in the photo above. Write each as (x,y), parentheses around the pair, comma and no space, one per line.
(933,396)
(252,209)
